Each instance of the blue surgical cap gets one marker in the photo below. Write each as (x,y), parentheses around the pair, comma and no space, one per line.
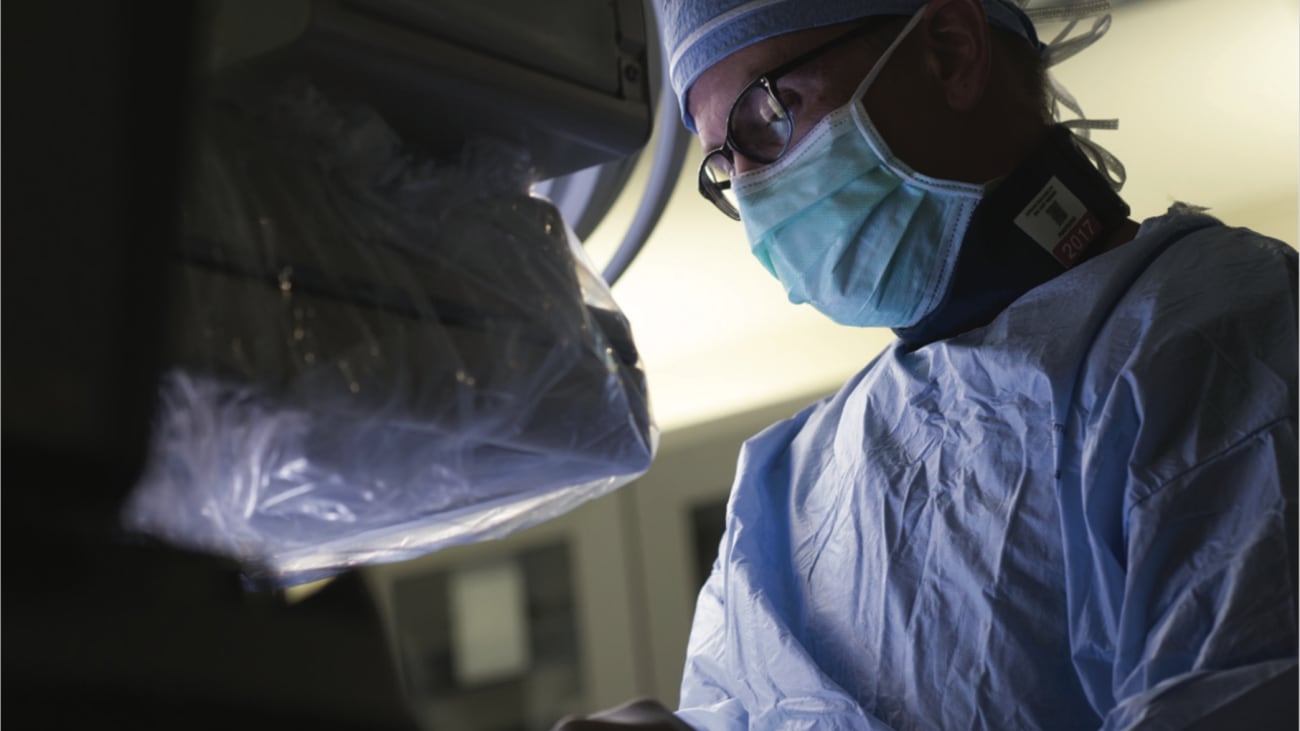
(699,33)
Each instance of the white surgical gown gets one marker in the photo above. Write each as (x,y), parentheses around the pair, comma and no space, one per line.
(1073,517)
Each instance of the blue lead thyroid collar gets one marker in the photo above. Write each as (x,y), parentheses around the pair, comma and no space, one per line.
(1053,212)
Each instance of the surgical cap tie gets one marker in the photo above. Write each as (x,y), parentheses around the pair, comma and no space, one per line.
(1063,47)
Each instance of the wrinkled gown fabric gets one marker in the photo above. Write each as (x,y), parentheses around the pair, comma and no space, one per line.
(1073,517)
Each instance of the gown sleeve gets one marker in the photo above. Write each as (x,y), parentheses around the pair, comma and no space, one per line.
(1179,494)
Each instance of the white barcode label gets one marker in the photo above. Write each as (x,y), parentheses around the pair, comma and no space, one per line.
(1059,223)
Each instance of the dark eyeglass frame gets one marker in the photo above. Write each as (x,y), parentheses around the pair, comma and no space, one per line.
(712,189)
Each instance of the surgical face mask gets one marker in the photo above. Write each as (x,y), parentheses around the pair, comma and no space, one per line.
(846,226)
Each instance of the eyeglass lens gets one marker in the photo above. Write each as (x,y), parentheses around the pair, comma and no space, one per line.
(760,126)
(715,183)
(760,129)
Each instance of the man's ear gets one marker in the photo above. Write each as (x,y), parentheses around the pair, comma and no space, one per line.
(958,50)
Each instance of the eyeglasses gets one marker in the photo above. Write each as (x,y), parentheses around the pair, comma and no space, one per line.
(759,126)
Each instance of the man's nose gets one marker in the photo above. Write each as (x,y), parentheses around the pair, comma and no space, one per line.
(742,164)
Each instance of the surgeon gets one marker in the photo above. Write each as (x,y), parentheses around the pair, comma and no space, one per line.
(1065,497)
